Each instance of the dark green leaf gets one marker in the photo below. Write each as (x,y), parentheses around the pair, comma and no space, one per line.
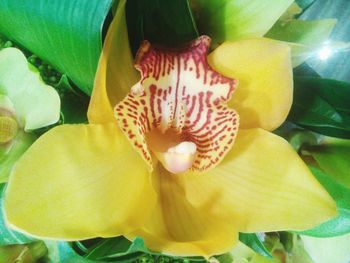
(74,105)
(111,249)
(168,23)
(322,105)
(341,224)
(253,241)
(304,70)
(8,236)
(66,33)
(304,4)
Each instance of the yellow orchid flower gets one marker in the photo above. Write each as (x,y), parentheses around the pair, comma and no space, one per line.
(166,159)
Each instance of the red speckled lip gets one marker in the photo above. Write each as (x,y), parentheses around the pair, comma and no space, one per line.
(178,91)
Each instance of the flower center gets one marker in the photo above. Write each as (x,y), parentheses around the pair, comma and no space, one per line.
(178,110)
(175,154)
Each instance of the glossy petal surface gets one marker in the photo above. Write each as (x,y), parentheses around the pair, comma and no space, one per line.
(261,185)
(85,181)
(115,73)
(263,68)
(36,104)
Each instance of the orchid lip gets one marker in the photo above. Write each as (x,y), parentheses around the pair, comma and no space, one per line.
(180,97)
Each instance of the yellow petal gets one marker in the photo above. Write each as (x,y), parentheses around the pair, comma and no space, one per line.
(78,182)
(263,68)
(115,73)
(178,226)
(262,185)
(268,185)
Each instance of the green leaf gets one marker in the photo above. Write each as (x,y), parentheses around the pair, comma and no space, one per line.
(306,38)
(237,19)
(112,249)
(62,252)
(36,104)
(341,224)
(313,32)
(167,23)
(29,253)
(253,241)
(9,157)
(8,236)
(120,249)
(65,33)
(322,105)
(333,156)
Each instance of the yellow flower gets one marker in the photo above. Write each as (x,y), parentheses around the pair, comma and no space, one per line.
(163,164)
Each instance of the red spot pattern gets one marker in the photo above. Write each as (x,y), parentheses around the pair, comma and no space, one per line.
(179,91)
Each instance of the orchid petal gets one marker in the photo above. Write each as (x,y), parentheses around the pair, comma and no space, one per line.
(263,68)
(36,104)
(178,226)
(85,181)
(265,180)
(261,185)
(115,73)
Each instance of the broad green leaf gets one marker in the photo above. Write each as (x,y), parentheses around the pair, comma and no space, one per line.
(167,23)
(341,224)
(306,38)
(333,156)
(237,19)
(313,32)
(65,33)
(8,236)
(328,250)
(36,104)
(29,253)
(322,105)
(8,158)
(253,241)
